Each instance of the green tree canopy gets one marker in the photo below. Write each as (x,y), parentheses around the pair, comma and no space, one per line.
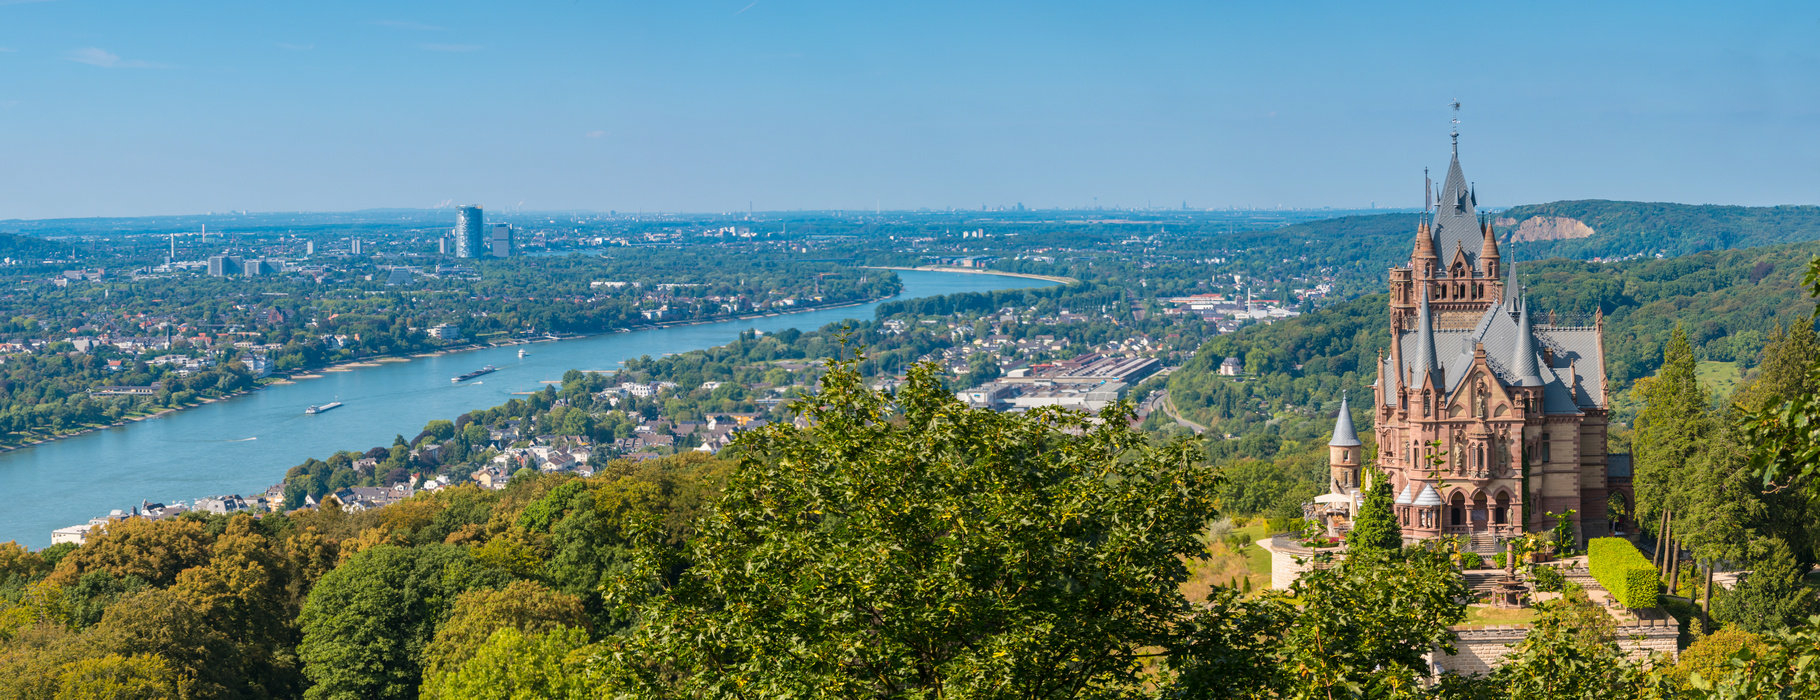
(524,606)
(1376,527)
(366,623)
(515,665)
(907,546)
(1357,628)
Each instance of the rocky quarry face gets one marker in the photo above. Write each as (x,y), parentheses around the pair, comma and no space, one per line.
(1546,228)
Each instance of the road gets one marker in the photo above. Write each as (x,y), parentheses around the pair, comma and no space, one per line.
(1168,406)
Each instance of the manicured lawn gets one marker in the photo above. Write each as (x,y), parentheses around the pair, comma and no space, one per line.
(1256,559)
(1488,615)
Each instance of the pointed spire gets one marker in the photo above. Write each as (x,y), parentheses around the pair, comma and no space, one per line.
(1396,369)
(1425,243)
(1343,434)
(1456,128)
(1428,192)
(1425,364)
(1523,359)
(1511,292)
(1488,249)
(1387,378)
(1455,207)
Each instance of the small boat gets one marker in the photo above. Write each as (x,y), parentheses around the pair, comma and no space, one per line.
(330,406)
(522,353)
(489,369)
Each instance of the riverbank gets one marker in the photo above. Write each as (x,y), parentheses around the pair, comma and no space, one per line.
(130,419)
(245,445)
(377,360)
(978,271)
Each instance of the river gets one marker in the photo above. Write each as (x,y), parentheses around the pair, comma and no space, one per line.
(244,444)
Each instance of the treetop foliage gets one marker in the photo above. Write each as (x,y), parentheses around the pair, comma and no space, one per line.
(907,546)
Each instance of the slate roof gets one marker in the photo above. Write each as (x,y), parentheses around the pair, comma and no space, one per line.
(1456,221)
(1618,465)
(1343,434)
(1577,351)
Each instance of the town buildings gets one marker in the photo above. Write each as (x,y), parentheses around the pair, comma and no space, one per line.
(1088,382)
(1488,420)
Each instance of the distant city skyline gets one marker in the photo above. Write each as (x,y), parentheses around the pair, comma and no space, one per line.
(131,109)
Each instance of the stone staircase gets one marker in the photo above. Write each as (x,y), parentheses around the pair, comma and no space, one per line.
(1483,583)
(1485,543)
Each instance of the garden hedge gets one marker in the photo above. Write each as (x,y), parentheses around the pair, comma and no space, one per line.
(1617,565)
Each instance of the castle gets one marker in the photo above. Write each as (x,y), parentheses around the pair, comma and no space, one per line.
(1487,418)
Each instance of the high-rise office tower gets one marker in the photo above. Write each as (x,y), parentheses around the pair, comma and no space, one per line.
(442,245)
(468,236)
(499,241)
(309,247)
(225,265)
(355,247)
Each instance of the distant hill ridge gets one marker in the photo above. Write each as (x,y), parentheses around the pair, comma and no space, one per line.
(1729,301)
(1608,229)
(1360,248)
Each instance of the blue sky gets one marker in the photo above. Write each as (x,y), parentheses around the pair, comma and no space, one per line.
(129,108)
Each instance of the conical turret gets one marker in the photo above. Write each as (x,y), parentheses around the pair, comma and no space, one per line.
(1425,250)
(1511,292)
(1343,433)
(1427,368)
(1488,253)
(1523,356)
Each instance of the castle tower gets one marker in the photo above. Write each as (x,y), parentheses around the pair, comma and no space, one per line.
(1455,258)
(1487,418)
(1343,452)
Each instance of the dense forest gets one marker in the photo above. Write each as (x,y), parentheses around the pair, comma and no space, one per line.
(1666,229)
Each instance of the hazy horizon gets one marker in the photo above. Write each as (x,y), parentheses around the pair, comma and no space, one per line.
(116,109)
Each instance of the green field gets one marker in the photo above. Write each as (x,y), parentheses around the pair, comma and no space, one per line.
(1719,379)
(1257,561)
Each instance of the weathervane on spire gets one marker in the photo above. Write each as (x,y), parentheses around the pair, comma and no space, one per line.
(1456,127)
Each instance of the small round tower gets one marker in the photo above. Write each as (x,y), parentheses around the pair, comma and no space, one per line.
(1343,452)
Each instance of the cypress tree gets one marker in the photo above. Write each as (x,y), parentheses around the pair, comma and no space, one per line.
(1671,433)
(1376,526)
